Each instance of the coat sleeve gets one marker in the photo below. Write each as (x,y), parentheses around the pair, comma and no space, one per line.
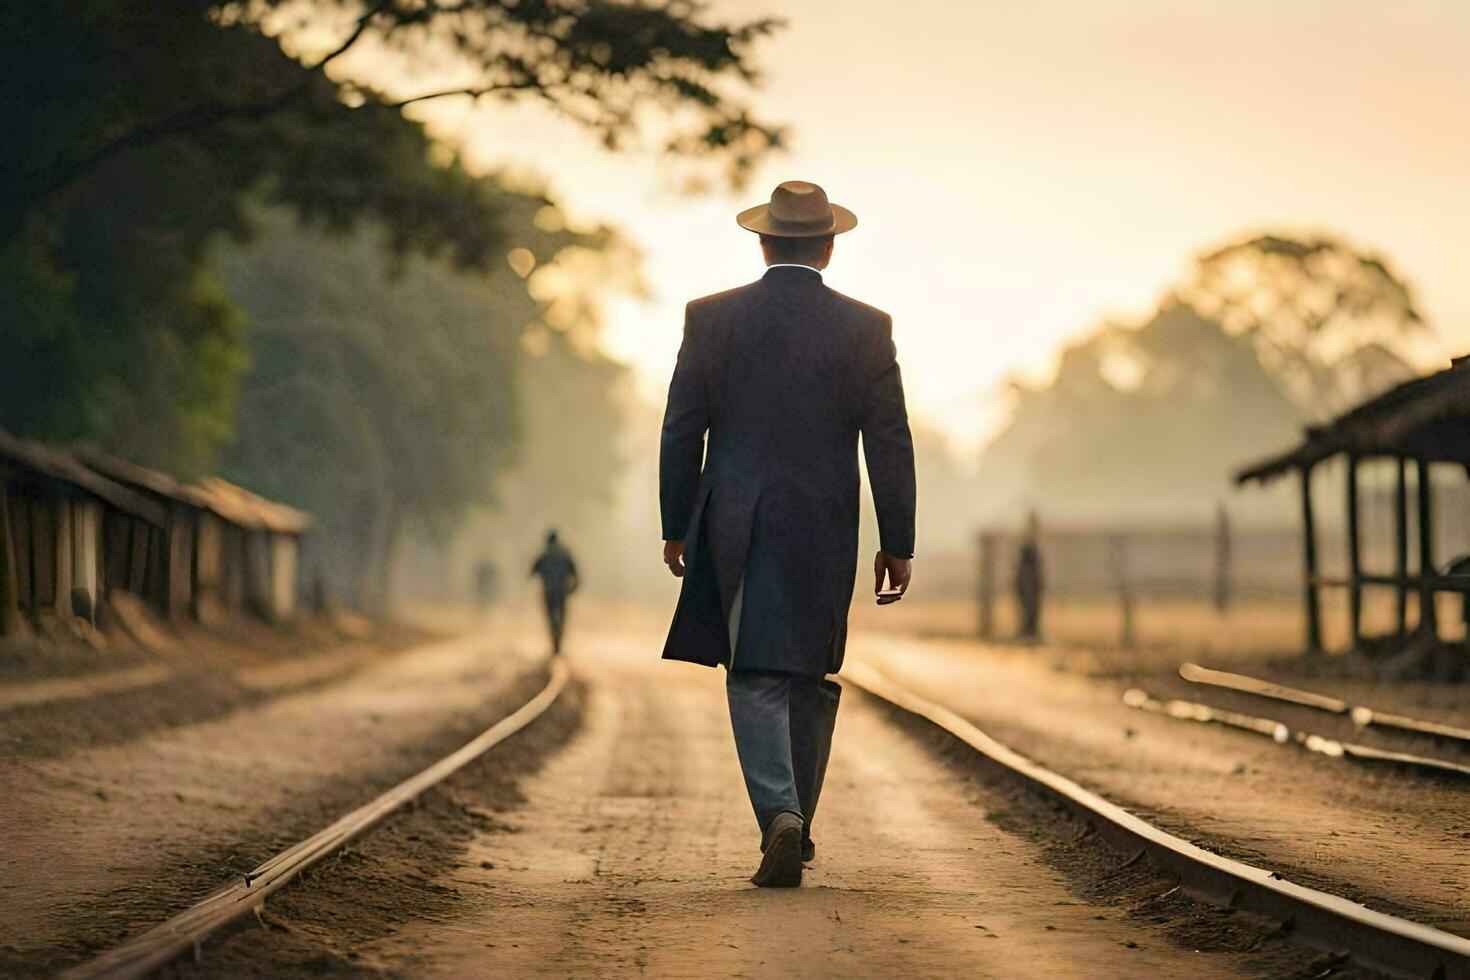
(681,450)
(889,447)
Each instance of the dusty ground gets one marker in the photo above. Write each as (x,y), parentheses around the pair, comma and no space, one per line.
(628,854)
(59,695)
(115,831)
(1395,841)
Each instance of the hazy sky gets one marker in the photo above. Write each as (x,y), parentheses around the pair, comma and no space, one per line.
(1023,170)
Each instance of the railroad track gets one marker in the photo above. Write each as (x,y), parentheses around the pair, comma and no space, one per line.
(1328,922)
(185,932)
(1382,942)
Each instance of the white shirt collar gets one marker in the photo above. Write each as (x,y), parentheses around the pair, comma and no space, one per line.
(794,265)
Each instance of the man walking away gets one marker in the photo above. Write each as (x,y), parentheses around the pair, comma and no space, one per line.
(558,580)
(760,519)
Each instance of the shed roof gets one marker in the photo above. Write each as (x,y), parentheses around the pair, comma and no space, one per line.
(220,497)
(240,506)
(64,467)
(1425,418)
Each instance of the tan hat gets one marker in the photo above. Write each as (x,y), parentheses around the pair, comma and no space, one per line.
(797,210)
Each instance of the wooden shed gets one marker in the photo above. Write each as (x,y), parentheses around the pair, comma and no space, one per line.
(226,550)
(54,517)
(170,590)
(246,550)
(1420,427)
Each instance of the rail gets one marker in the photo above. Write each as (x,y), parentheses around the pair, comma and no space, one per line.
(153,949)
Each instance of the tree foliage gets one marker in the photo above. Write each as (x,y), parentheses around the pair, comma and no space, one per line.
(1140,424)
(139,130)
(383,402)
(1333,324)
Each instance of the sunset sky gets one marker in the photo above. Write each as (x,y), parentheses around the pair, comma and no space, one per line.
(1022,171)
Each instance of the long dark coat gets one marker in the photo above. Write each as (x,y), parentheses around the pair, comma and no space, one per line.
(783,375)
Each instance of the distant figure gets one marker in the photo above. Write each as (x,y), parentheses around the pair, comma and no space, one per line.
(1029,582)
(558,580)
(775,383)
(486,581)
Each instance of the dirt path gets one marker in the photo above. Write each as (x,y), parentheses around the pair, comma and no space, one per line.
(630,852)
(1393,841)
(101,842)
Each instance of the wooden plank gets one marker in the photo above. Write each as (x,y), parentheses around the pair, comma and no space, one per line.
(1361,715)
(115,551)
(1428,619)
(1355,555)
(20,530)
(43,556)
(1309,555)
(137,557)
(9,581)
(85,530)
(1401,545)
(180,562)
(64,546)
(1196,674)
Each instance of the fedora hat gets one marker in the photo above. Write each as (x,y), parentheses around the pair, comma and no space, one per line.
(798,209)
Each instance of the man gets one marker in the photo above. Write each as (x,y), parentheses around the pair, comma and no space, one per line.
(783,375)
(558,580)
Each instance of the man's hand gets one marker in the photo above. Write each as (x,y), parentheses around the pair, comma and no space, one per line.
(898,571)
(674,557)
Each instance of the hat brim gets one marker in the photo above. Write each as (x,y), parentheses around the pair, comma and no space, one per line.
(758,219)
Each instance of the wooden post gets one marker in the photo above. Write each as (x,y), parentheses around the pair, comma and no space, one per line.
(985,585)
(1401,544)
(1309,555)
(62,529)
(1428,620)
(9,581)
(1119,560)
(1222,558)
(1355,555)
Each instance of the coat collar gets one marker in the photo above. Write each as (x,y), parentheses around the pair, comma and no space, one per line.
(792,273)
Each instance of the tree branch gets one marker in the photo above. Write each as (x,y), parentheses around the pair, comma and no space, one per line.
(357,32)
(525,85)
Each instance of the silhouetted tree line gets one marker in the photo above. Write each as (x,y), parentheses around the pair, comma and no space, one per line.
(1146,422)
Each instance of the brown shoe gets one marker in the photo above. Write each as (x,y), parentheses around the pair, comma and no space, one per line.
(781,862)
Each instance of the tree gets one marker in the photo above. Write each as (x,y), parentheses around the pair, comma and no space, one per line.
(1334,325)
(1140,424)
(139,130)
(100,78)
(381,402)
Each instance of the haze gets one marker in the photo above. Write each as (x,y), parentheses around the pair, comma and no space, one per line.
(1022,171)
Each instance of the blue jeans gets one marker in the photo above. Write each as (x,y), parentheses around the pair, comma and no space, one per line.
(783,735)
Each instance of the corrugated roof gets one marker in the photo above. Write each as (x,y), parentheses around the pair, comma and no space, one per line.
(1401,421)
(61,466)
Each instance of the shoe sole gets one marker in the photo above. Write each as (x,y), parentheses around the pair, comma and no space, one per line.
(781,864)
